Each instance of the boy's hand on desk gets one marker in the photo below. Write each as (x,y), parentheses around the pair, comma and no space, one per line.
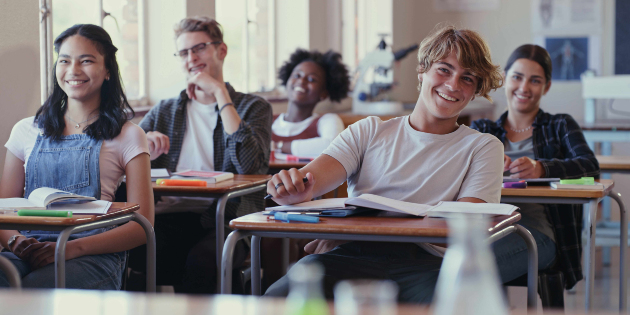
(288,187)
(526,168)
(158,144)
(322,246)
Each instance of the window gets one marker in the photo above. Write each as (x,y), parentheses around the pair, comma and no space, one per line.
(248,31)
(122,19)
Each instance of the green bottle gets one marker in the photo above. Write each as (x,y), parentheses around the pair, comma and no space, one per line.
(306,296)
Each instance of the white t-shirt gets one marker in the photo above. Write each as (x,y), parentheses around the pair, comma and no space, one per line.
(114,156)
(391,159)
(328,127)
(197,153)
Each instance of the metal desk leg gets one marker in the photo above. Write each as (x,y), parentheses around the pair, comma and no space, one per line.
(590,212)
(623,245)
(255,253)
(286,249)
(11,272)
(151,258)
(220,226)
(228,258)
(532,266)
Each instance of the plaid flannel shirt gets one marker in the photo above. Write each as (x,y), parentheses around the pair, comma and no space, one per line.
(560,147)
(246,151)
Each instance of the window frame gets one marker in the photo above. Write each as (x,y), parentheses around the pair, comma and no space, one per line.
(46,50)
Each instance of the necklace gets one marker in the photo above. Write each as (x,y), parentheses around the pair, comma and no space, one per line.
(78,124)
(521,130)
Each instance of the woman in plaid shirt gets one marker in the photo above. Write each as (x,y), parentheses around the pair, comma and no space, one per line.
(538,144)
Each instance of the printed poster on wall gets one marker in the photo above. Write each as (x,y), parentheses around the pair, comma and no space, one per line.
(575,17)
(465,5)
(571,55)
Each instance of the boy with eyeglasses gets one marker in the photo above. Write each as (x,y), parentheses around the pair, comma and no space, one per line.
(209,126)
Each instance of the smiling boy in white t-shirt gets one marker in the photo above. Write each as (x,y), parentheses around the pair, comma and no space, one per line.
(425,157)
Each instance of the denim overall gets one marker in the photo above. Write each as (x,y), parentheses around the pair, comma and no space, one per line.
(70,164)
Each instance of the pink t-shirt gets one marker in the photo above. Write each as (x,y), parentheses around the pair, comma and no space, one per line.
(114,156)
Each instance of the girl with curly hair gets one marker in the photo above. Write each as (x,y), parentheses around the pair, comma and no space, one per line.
(310,77)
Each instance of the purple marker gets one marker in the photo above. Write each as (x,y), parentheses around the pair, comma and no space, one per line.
(521,184)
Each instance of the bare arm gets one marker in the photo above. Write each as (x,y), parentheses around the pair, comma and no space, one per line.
(130,235)
(11,186)
(470,199)
(324,174)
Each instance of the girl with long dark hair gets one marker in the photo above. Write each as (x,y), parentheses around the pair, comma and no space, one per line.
(81,141)
(538,144)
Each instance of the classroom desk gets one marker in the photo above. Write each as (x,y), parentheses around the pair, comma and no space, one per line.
(607,231)
(614,163)
(364,228)
(240,185)
(85,302)
(589,199)
(118,213)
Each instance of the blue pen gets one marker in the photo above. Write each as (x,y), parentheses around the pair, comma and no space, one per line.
(295,217)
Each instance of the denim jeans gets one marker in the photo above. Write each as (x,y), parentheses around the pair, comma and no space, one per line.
(413,269)
(97,272)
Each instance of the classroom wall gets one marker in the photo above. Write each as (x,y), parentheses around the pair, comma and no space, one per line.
(19,64)
(504,30)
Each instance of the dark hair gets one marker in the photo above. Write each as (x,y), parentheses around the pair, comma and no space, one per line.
(114,108)
(534,53)
(337,80)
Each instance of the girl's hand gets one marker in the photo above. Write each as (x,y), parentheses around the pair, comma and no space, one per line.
(526,168)
(291,187)
(506,163)
(41,254)
(21,243)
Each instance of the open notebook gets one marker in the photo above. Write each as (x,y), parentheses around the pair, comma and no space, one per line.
(54,199)
(375,202)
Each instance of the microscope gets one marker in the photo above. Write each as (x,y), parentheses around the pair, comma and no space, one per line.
(375,76)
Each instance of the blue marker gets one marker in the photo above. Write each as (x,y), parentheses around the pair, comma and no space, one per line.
(295,217)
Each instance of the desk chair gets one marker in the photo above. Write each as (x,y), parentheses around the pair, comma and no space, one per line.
(11,272)
(550,287)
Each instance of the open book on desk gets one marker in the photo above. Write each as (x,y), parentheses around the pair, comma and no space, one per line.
(55,199)
(386,204)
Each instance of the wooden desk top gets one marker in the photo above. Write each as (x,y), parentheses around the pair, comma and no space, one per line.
(284,165)
(606,125)
(613,162)
(117,209)
(398,226)
(88,302)
(547,191)
(238,182)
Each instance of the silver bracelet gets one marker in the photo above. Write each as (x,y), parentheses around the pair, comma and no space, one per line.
(224,106)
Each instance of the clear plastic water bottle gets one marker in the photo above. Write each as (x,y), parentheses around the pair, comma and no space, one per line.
(469,281)
(306,295)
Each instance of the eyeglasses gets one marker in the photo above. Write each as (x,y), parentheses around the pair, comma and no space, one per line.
(194,49)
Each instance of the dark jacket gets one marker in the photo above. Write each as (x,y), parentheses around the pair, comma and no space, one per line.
(246,151)
(560,147)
